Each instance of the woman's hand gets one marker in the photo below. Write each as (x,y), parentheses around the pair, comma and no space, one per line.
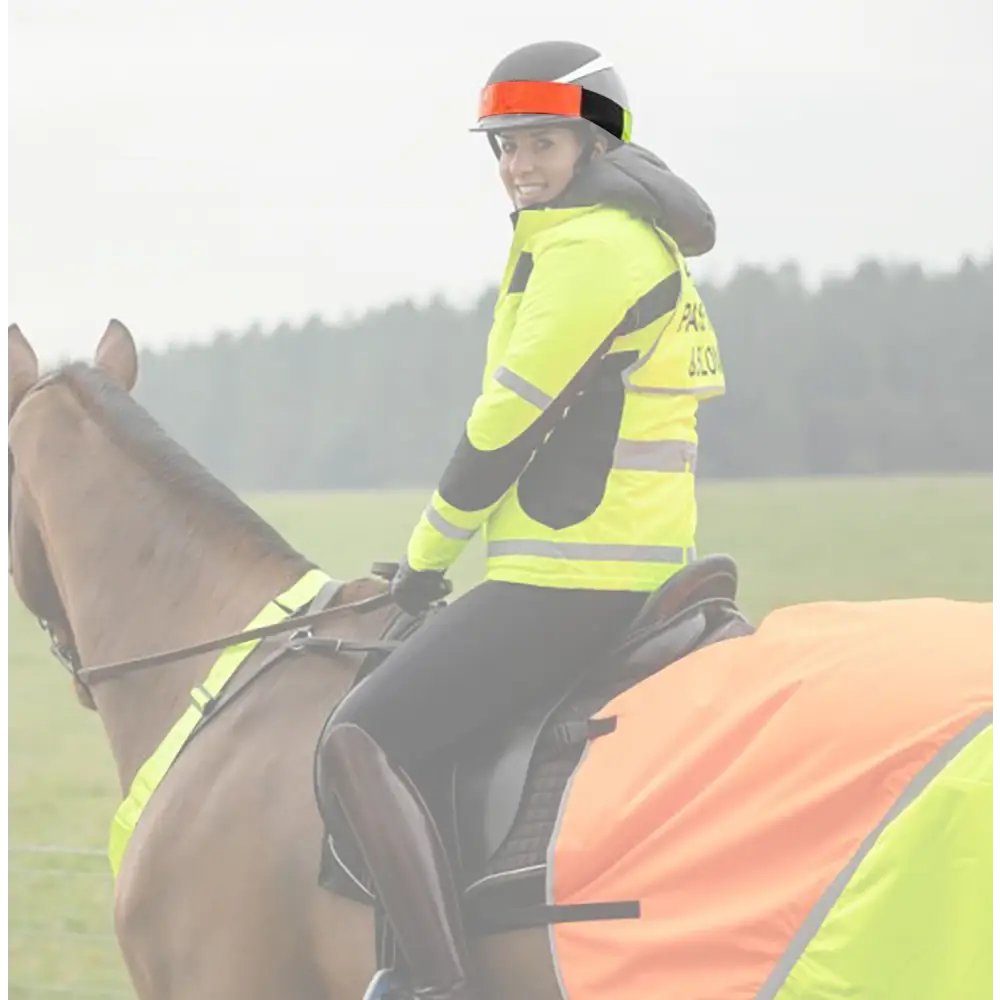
(414,591)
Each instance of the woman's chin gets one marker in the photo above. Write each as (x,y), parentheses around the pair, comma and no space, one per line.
(531,202)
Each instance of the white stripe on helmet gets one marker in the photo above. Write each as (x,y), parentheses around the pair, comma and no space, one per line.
(594,66)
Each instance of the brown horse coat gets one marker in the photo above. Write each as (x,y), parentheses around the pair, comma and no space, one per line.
(128,547)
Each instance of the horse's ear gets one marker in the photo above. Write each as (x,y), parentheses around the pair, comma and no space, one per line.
(117,357)
(22,367)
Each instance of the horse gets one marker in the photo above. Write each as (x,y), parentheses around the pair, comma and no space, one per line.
(788,809)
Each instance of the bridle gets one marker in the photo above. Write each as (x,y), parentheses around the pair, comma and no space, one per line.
(298,626)
(61,641)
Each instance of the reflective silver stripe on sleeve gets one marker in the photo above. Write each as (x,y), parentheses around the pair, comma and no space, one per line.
(523,388)
(655,456)
(449,530)
(589,551)
(662,390)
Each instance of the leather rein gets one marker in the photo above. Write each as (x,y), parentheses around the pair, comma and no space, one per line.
(298,628)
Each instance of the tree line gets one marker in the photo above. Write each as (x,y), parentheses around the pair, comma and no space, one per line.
(887,370)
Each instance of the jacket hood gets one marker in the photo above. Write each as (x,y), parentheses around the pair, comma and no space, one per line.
(636,180)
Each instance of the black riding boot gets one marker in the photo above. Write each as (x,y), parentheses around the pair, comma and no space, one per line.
(407,861)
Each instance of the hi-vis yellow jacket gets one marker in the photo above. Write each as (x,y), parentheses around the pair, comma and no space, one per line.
(578,458)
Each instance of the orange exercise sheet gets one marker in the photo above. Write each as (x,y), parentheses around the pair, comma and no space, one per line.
(740,781)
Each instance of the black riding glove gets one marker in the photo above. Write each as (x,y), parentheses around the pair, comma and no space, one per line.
(415,590)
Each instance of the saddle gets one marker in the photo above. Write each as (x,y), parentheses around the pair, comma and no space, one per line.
(497,808)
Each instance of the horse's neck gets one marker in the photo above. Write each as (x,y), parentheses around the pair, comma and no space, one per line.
(135,585)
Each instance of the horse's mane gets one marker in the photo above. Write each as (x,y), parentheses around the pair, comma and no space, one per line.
(131,428)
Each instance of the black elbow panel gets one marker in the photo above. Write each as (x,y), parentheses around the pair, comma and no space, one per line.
(475,480)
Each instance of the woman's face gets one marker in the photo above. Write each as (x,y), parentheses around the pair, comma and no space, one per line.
(536,164)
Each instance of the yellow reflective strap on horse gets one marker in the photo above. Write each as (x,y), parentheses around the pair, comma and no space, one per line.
(155,768)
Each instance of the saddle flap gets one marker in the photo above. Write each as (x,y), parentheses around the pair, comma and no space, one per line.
(490,778)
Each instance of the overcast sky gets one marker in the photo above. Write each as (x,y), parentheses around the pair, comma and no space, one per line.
(199,164)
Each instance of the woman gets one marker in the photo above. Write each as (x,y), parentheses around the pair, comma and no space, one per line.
(577,462)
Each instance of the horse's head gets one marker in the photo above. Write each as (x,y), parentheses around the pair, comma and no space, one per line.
(31,438)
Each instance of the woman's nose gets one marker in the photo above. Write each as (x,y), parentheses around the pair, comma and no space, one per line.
(522,162)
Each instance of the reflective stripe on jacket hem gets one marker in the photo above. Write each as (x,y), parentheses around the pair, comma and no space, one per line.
(590,551)
(655,456)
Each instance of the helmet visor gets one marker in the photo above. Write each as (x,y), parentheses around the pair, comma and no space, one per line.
(540,97)
(520,103)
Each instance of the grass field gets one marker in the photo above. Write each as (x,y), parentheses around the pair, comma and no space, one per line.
(794,541)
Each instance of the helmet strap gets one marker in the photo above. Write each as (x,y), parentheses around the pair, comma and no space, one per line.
(587,134)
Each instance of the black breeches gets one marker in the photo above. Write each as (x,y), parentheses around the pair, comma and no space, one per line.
(489,653)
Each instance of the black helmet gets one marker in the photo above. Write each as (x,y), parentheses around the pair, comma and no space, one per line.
(555,81)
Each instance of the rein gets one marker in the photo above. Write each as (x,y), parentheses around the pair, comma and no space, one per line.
(301,638)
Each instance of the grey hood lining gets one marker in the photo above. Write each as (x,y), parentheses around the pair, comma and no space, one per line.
(632,178)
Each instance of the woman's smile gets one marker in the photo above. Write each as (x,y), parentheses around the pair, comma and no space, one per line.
(529,193)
